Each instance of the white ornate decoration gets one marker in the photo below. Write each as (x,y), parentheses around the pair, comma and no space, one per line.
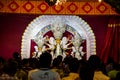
(77,40)
(41,25)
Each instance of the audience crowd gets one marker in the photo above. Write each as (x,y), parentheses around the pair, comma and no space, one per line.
(69,68)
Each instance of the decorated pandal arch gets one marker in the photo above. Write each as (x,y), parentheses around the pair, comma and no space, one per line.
(60,35)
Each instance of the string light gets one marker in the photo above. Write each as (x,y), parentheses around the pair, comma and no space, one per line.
(60,2)
(99,0)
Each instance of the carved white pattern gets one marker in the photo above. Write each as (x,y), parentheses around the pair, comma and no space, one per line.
(75,22)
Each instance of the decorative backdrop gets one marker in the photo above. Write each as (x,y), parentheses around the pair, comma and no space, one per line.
(41,7)
(37,27)
(12,27)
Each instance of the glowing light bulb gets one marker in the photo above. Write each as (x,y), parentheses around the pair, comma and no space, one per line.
(99,0)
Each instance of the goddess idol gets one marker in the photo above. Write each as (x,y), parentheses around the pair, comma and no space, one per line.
(58,28)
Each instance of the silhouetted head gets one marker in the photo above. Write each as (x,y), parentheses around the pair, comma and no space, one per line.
(45,60)
(94,61)
(74,65)
(16,55)
(10,67)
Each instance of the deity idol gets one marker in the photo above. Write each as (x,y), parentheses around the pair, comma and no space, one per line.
(77,42)
(82,53)
(39,41)
(65,43)
(51,43)
(35,53)
(58,29)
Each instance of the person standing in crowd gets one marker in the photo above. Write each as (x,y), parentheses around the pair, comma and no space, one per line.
(73,67)
(45,73)
(9,70)
(92,69)
(94,63)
